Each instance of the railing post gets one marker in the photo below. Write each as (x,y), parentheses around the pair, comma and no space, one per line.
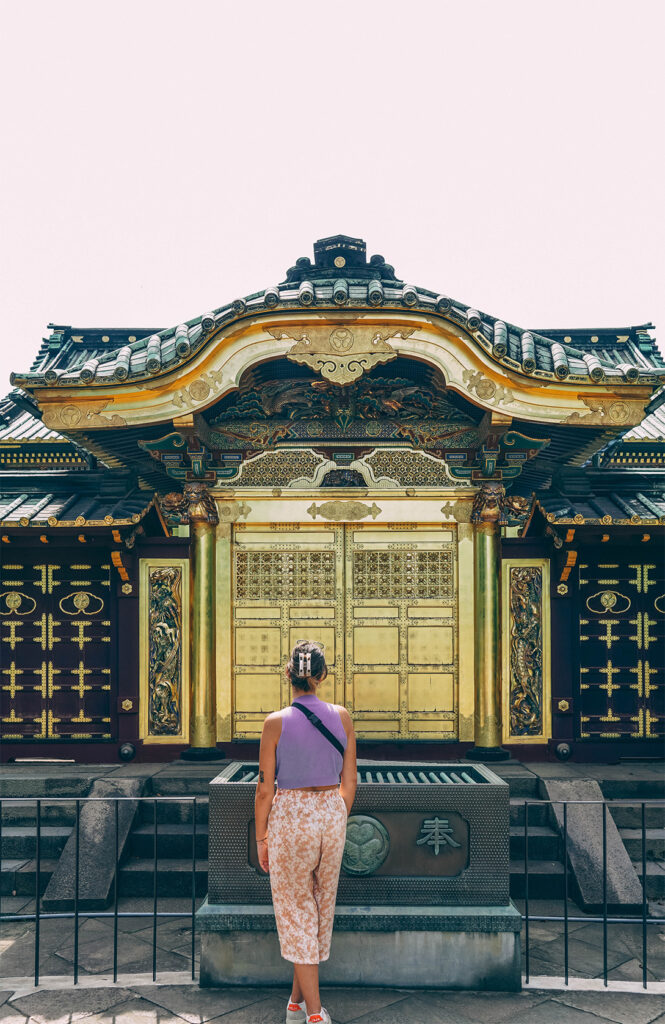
(38,862)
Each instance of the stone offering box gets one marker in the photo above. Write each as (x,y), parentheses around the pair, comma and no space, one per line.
(418,834)
(425,870)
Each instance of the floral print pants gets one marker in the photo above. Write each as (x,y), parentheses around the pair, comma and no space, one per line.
(306,836)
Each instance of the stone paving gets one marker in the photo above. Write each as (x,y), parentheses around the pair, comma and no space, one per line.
(131,1002)
(187,1004)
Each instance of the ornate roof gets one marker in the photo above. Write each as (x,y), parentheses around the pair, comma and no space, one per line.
(618,508)
(643,446)
(341,277)
(26,442)
(58,499)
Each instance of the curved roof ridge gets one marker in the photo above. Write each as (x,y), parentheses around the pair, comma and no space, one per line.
(342,277)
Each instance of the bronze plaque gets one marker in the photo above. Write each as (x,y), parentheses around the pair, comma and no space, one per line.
(423,844)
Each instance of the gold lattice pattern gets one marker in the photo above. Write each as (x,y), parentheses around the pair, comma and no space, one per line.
(285,575)
(277,469)
(409,468)
(397,574)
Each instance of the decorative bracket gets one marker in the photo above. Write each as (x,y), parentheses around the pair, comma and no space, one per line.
(341,353)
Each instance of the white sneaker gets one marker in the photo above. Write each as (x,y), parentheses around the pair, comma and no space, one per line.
(319,1018)
(295,1012)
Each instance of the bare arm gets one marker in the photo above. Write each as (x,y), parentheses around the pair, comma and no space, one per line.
(349,776)
(265,787)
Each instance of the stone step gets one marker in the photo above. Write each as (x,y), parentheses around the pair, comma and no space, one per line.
(539,814)
(174,878)
(630,816)
(171,811)
(544,843)
(24,812)
(654,843)
(521,782)
(633,789)
(12,785)
(21,841)
(17,877)
(174,841)
(545,879)
(193,781)
(655,878)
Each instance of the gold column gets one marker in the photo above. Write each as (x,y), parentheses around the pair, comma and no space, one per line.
(196,507)
(486,517)
(203,724)
(223,617)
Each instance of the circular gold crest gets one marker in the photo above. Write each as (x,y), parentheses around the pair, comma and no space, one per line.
(341,339)
(608,599)
(81,600)
(70,415)
(13,599)
(485,389)
(618,412)
(340,261)
(199,389)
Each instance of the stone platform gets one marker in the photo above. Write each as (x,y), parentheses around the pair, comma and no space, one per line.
(474,948)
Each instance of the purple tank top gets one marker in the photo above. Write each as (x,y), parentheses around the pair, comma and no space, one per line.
(304,756)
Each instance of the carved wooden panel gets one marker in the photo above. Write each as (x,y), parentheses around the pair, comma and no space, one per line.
(526,650)
(164,649)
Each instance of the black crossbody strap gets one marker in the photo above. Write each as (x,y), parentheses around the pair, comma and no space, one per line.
(318,724)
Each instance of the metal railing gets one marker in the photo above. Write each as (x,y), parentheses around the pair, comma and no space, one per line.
(76,914)
(115,913)
(606,919)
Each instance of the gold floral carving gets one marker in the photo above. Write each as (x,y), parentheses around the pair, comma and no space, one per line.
(340,353)
(80,417)
(231,511)
(165,651)
(212,381)
(526,651)
(460,511)
(344,511)
(607,411)
(485,389)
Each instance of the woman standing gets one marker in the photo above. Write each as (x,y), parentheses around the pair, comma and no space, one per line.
(310,747)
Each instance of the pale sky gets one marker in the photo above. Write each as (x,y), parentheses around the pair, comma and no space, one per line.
(161,158)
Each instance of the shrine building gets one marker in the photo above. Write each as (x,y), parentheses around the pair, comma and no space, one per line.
(468,514)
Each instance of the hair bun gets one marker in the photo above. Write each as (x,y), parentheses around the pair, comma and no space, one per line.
(307,661)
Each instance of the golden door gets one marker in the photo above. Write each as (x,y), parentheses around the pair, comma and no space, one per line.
(383,601)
